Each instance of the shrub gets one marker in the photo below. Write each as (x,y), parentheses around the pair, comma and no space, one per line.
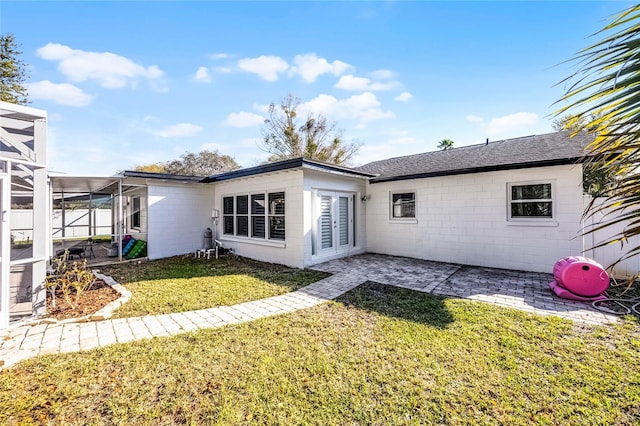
(71,279)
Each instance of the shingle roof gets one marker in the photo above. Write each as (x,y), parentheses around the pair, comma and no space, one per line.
(530,151)
(285,165)
(162,176)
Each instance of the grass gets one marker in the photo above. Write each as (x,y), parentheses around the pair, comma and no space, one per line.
(183,283)
(378,355)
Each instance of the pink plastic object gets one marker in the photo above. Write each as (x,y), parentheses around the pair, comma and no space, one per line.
(566,294)
(581,276)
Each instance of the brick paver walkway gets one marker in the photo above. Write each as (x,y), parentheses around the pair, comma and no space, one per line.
(520,290)
(526,291)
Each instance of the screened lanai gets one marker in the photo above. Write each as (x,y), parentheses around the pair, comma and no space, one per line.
(24,244)
(95,217)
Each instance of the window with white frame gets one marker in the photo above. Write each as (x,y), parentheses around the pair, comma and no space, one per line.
(256,215)
(530,201)
(135,212)
(403,205)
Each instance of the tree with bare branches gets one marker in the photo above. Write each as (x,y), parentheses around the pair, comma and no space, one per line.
(285,136)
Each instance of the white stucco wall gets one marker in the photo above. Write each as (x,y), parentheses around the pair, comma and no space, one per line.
(178,214)
(291,251)
(321,181)
(463,219)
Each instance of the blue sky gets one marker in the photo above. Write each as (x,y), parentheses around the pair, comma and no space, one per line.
(129,83)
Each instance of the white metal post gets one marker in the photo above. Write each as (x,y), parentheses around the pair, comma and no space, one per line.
(120,220)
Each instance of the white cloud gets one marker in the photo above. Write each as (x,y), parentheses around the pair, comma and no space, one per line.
(243,119)
(218,56)
(403,141)
(202,75)
(511,122)
(180,130)
(213,147)
(506,124)
(383,74)
(63,93)
(309,66)
(223,70)
(403,97)
(266,67)
(111,71)
(363,108)
(361,84)
(264,108)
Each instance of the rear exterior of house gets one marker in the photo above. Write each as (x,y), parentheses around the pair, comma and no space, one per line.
(514,204)
(467,218)
(296,212)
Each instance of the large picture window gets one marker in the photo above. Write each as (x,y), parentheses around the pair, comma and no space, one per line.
(530,201)
(258,215)
(403,205)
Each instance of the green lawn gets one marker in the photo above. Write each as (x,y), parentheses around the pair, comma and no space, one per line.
(183,283)
(378,355)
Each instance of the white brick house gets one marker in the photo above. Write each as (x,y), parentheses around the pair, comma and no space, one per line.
(514,204)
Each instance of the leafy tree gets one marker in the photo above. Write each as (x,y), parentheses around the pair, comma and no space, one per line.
(152,168)
(597,179)
(205,163)
(13,73)
(445,144)
(285,136)
(605,96)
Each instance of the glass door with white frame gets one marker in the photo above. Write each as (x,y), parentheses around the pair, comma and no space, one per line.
(334,230)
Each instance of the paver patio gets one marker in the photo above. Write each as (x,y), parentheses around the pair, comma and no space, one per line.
(527,291)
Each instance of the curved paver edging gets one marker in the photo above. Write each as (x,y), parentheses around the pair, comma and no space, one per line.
(107,310)
(102,314)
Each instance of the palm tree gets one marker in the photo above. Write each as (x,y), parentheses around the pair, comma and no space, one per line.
(604,95)
(445,144)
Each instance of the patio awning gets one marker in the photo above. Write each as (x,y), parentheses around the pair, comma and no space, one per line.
(84,184)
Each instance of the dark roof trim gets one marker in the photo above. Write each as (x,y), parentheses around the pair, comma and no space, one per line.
(500,167)
(284,165)
(162,176)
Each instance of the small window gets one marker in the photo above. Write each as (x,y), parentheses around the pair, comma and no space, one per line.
(403,205)
(135,212)
(530,201)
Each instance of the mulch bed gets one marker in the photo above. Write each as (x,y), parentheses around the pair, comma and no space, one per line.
(90,302)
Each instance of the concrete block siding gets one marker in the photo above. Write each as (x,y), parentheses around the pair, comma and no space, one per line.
(291,251)
(463,219)
(178,216)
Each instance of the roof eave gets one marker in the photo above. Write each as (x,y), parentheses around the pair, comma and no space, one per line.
(495,168)
(293,163)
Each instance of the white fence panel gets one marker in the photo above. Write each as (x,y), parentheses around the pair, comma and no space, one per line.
(77,222)
(609,254)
